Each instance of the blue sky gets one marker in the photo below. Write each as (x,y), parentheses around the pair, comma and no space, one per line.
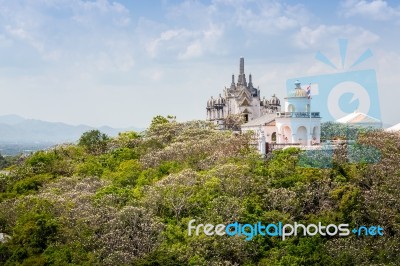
(122,62)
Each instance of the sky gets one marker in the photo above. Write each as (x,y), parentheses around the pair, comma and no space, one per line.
(121,62)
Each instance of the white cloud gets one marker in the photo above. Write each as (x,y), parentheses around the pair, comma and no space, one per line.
(192,51)
(326,35)
(88,12)
(376,10)
(184,43)
(267,17)
(63,30)
(153,46)
(221,27)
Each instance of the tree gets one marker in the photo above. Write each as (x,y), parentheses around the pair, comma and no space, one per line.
(94,142)
(233,122)
(128,139)
(3,162)
(159,120)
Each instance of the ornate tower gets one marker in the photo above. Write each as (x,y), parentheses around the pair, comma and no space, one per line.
(241,99)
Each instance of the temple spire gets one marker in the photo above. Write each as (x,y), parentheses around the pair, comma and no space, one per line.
(233,83)
(250,83)
(241,65)
(242,76)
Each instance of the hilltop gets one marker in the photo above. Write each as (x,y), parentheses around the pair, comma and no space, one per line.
(127,200)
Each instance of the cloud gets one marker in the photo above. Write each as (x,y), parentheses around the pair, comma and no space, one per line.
(193,29)
(378,10)
(185,43)
(192,51)
(89,12)
(67,31)
(269,17)
(316,37)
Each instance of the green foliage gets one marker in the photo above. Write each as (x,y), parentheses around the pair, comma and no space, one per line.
(94,142)
(92,166)
(33,233)
(30,184)
(6,161)
(160,120)
(128,200)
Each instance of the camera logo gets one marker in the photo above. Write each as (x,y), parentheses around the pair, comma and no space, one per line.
(331,98)
(339,94)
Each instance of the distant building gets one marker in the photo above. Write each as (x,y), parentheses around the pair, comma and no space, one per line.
(295,126)
(395,128)
(360,119)
(241,98)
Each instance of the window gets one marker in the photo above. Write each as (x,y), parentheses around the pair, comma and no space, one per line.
(273,136)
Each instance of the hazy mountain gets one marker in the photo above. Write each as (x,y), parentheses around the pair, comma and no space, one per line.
(11,119)
(16,129)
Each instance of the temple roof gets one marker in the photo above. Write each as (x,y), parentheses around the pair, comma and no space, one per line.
(393,128)
(358,118)
(261,121)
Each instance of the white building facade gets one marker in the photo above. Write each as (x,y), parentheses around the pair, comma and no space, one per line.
(241,98)
(296,125)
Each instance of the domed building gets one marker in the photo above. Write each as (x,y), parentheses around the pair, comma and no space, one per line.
(240,98)
(296,125)
(271,106)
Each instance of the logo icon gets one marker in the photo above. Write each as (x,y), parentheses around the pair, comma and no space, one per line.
(333,97)
(339,94)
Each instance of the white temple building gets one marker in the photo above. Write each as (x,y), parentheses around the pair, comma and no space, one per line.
(241,98)
(395,128)
(296,125)
(360,119)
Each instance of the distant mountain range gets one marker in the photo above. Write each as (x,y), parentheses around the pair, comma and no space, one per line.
(18,130)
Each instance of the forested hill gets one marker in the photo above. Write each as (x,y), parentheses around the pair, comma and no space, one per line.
(127,200)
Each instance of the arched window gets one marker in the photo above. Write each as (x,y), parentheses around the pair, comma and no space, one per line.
(291,108)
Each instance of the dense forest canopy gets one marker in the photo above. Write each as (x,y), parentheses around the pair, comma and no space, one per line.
(128,200)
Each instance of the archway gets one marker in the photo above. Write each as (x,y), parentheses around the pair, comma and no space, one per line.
(315,135)
(287,134)
(302,135)
(291,108)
